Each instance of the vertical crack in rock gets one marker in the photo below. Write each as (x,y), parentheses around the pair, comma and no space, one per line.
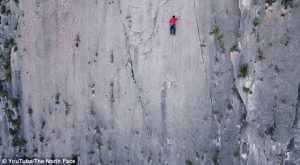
(272,129)
(163,3)
(244,146)
(112,100)
(244,115)
(153,29)
(292,150)
(155,22)
(163,113)
(127,45)
(147,121)
(202,57)
(130,62)
(130,65)
(291,153)
(296,120)
(234,80)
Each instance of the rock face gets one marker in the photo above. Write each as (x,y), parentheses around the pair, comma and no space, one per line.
(104,82)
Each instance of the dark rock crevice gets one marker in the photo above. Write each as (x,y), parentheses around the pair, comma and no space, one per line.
(297,115)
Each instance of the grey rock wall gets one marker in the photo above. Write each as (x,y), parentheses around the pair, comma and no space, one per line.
(103,81)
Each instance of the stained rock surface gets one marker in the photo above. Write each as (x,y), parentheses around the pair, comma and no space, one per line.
(103,81)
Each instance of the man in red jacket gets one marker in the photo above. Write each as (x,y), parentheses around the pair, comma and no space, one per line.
(172,25)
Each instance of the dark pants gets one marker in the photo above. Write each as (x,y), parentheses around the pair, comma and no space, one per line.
(172,29)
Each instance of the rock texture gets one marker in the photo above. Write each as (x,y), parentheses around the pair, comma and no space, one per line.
(103,82)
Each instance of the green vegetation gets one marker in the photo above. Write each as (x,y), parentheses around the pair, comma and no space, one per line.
(229,106)
(15,48)
(271,130)
(234,48)
(68,107)
(243,70)
(287,3)
(2,9)
(14,120)
(9,113)
(111,57)
(42,139)
(13,132)
(9,43)
(16,123)
(52,156)
(236,154)
(43,124)
(30,111)
(256,21)
(7,70)
(3,93)
(35,151)
(188,162)
(74,157)
(8,75)
(18,142)
(218,34)
(270,2)
(246,90)
(57,98)
(6,65)
(217,157)
(15,102)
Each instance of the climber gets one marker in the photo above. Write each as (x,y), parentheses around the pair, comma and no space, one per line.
(172,25)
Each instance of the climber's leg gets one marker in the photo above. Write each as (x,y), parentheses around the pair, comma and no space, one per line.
(174,29)
(171,29)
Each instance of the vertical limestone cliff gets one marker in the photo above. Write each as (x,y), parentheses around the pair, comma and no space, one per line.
(103,81)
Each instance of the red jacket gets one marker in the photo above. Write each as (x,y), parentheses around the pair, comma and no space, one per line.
(173,20)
